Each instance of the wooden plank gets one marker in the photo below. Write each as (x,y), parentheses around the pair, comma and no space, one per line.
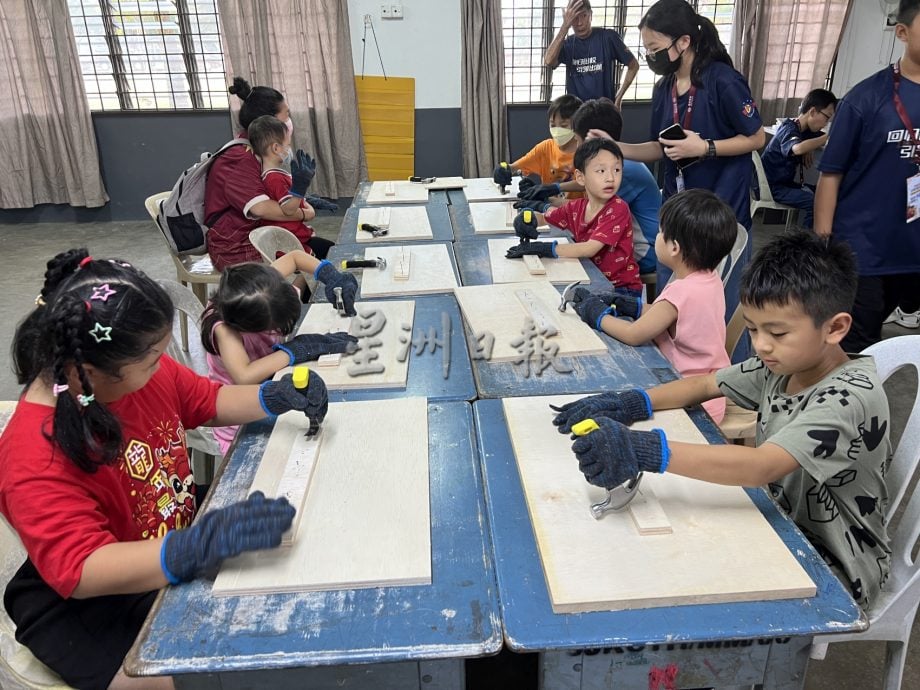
(403,223)
(491,218)
(535,310)
(484,189)
(561,271)
(721,549)
(431,271)
(366,520)
(355,370)
(496,309)
(647,513)
(534,265)
(403,266)
(403,193)
(446,183)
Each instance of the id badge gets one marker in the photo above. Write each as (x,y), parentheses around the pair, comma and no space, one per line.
(681,186)
(913,198)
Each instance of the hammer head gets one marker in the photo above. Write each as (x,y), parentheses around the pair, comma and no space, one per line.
(381,263)
(568,294)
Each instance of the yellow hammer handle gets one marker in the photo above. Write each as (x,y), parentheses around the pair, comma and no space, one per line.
(301,377)
(584,427)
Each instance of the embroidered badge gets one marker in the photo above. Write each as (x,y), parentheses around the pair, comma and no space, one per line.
(748,108)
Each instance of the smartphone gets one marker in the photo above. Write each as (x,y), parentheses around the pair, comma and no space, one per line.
(675,131)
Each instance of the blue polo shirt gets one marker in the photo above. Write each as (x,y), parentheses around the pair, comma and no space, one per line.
(589,63)
(723,108)
(868,144)
(780,164)
(639,190)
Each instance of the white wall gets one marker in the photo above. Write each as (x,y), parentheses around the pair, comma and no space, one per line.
(425,44)
(867,46)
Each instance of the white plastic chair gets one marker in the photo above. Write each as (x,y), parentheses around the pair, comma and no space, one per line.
(271,240)
(892,613)
(200,439)
(727,265)
(766,196)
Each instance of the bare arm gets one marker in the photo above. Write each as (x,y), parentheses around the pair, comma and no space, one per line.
(579,250)
(826,202)
(730,464)
(632,69)
(809,145)
(647,152)
(551,57)
(127,567)
(238,405)
(694,145)
(295,261)
(241,368)
(655,319)
(684,392)
(270,209)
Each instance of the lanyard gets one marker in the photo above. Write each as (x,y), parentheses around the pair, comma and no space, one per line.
(690,99)
(902,112)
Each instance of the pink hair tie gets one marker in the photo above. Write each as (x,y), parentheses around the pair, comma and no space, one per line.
(59,388)
(85,261)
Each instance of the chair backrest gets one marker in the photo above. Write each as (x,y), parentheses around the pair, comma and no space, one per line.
(270,240)
(733,331)
(185,301)
(727,265)
(152,204)
(766,196)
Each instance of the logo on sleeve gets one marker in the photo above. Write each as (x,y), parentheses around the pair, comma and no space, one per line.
(748,108)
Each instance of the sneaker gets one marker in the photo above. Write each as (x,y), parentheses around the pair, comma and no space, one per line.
(893,316)
(908,319)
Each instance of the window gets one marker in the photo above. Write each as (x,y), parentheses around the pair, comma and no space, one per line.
(528,27)
(150,54)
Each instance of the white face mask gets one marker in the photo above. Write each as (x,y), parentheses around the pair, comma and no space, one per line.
(288,156)
(290,125)
(561,135)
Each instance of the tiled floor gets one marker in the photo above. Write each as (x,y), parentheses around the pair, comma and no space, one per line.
(25,248)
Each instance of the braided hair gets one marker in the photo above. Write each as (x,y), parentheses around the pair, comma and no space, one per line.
(72,326)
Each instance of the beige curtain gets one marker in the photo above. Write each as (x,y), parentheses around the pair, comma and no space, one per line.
(482,113)
(303,49)
(48,151)
(785,49)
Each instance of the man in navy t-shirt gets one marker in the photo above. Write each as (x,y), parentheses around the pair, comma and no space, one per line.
(589,56)
(871,162)
(789,153)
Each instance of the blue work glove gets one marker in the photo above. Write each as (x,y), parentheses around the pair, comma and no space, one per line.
(623,303)
(613,454)
(502,174)
(538,206)
(525,225)
(256,523)
(303,168)
(547,250)
(525,184)
(591,309)
(332,279)
(278,397)
(625,407)
(309,346)
(320,204)
(540,192)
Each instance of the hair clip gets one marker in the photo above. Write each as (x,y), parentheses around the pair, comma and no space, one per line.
(84,261)
(101,333)
(85,400)
(59,388)
(39,301)
(102,293)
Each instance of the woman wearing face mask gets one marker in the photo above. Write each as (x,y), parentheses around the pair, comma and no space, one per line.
(236,200)
(700,91)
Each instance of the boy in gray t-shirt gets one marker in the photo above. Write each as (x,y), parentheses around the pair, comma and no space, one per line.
(822,416)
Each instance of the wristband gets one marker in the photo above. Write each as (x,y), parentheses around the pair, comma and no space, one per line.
(711,153)
(665,450)
(324,262)
(170,578)
(648,402)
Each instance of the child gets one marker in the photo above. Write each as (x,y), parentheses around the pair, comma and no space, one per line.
(271,142)
(245,324)
(601,223)
(551,159)
(687,320)
(94,470)
(791,150)
(822,431)
(867,192)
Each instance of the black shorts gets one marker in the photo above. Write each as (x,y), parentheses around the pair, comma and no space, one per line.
(82,640)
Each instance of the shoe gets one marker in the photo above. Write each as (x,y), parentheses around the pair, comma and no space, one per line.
(893,316)
(908,319)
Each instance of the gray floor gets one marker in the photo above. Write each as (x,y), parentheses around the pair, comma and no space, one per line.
(25,248)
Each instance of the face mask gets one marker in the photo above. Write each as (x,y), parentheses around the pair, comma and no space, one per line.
(288,156)
(561,135)
(661,64)
(290,125)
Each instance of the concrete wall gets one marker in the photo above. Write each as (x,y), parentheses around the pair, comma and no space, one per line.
(868,45)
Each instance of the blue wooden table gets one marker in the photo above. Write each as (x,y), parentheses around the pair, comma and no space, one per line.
(438,218)
(713,644)
(426,368)
(364,188)
(428,629)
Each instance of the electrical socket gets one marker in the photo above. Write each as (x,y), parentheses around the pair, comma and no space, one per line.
(396,11)
(386,12)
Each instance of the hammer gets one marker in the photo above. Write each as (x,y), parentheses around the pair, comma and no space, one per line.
(619,496)
(568,294)
(379,262)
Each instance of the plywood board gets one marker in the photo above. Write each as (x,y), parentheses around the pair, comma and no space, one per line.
(484,189)
(491,218)
(403,193)
(354,370)
(431,271)
(366,520)
(446,183)
(496,309)
(721,549)
(405,223)
(561,271)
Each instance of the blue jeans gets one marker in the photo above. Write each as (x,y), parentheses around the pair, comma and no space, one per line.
(797,197)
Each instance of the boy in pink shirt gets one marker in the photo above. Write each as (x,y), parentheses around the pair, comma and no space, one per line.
(687,320)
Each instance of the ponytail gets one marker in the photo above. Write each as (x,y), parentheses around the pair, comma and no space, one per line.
(708,48)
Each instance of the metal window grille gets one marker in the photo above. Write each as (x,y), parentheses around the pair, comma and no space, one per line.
(528,27)
(150,54)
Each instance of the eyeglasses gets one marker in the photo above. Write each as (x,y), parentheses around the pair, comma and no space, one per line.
(826,116)
(646,54)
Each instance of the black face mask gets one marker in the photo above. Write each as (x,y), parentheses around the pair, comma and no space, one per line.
(660,64)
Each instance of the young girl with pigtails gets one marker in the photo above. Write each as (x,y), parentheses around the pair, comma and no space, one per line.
(95,475)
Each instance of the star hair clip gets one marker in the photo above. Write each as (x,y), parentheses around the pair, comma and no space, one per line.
(85,400)
(101,333)
(102,293)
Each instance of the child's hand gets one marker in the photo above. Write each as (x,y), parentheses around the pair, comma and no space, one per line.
(309,346)
(540,192)
(547,250)
(612,455)
(502,175)
(625,407)
(303,168)
(333,279)
(278,397)
(526,230)
(694,146)
(627,305)
(538,206)
(525,184)
(591,309)
(256,523)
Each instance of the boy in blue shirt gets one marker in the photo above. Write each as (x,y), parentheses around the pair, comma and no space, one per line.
(589,56)
(868,190)
(790,151)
